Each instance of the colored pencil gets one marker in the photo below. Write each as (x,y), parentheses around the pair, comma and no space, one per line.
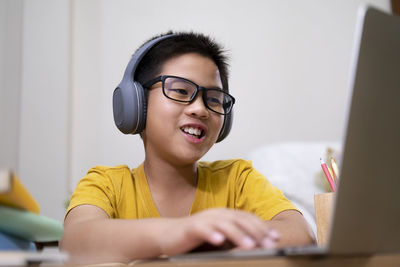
(328,175)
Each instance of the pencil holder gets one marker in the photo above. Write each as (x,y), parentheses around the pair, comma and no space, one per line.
(323,204)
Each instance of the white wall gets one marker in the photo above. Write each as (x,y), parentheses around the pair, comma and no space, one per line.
(289,69)
(44,133)
(10,81)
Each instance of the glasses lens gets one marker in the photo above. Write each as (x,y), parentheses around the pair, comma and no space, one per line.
(219,101)
(179,89)
(183,90)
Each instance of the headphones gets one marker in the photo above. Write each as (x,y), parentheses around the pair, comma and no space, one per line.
(129,98)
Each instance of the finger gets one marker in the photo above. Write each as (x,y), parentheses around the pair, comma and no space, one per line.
(258,230)
(274,234)
(215,238)
(240,227)
(243,229)
(234,233)
(268,243)
(204,231)
(254,227)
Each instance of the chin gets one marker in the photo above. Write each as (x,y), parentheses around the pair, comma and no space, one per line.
(188,157)
(190,160)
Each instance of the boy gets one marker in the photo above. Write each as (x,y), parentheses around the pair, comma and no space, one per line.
(172,203)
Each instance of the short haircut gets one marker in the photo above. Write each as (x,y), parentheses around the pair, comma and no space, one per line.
(183,43)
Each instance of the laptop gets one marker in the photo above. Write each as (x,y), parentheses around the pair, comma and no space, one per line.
(366,216)
(367,209)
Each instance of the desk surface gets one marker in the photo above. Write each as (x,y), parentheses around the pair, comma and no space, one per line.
(298,261)
(276,261)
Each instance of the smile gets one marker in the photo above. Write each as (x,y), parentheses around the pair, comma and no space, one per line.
(193,131)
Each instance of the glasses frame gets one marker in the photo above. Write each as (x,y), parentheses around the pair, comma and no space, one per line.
(199,88)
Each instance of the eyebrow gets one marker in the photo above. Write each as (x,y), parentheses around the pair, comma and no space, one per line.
(207,87)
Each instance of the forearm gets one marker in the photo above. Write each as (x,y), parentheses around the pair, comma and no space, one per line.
(293,229)
(110,240)
(91,237)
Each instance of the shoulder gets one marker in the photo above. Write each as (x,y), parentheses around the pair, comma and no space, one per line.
(104,187)
(107,170)
(107,177)
(115,172)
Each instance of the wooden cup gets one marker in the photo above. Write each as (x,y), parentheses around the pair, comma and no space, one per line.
(323,204)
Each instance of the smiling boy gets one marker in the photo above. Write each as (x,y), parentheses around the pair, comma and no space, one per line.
(172,203)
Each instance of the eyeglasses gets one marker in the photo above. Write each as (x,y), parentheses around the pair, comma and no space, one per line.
(183,90)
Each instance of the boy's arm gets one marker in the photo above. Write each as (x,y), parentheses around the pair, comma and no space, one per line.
(91,237)
(292,228)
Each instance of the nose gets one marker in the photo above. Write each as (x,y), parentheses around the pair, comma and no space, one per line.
(197,107)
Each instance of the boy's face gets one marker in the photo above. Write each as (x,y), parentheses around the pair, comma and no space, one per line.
(168,122)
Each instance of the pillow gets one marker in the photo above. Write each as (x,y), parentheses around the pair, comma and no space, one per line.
(294,168)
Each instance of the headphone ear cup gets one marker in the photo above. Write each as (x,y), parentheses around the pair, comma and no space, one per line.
(129,107)
(226,127)
(129,98)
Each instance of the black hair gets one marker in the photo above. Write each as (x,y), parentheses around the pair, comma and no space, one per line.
(183,43)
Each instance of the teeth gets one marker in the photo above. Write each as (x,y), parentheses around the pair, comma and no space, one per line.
(192,131)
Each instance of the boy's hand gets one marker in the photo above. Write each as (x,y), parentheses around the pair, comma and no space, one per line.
(217,226)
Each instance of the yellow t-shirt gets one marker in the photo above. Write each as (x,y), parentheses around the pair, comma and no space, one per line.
(124,193)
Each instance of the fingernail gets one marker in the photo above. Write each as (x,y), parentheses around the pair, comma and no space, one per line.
(268,243)
(247,242)
(274,234)
(217,237)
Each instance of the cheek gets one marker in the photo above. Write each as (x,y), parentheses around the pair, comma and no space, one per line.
(155,104)
(153,108)
(159,111)
(218,122)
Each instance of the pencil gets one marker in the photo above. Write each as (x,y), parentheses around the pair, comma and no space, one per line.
(335,169)
(328,175)
(331,173)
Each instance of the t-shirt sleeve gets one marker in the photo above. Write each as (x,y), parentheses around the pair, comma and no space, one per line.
(97,189)
(256,194)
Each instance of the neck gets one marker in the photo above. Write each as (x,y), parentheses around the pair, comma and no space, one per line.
(166,175)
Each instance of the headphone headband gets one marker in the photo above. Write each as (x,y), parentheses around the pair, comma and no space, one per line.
(139,54)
